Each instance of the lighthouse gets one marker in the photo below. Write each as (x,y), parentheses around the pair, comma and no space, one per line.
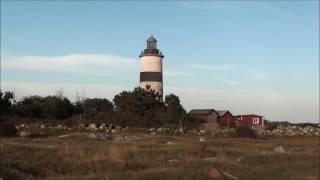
(151,66)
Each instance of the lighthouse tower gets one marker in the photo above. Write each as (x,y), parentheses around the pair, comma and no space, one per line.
(151,66)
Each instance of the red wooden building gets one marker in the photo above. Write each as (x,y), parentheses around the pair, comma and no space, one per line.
(205,115)
(250,119)
(210,115)
(226,118)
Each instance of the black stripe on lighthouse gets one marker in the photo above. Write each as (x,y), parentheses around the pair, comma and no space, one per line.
(151,76)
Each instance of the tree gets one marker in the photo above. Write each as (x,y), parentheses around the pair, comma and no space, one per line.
(45,107)
(6,102)
(100,105)
(141,107)
(174,110)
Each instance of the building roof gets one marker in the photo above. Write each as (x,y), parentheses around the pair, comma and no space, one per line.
(201,111)
(248,115)
(151,38)
(222,112)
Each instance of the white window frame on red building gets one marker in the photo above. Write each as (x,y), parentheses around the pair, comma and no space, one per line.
(255,120)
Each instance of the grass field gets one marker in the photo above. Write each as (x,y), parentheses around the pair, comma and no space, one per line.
(151,157)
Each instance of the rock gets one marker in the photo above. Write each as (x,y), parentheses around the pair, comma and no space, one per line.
(279,149)
(173,160)
(15,174)
(118,128)
(92,126)
(210,159)
(153,133)
(230,176)
(214,173)
(92,136)
(64,136)
(42,126)
(59,126)
(114,131)
(159,129)
(102,126)
(170,143)
(118,138)
(202,131)
(180,130)
(24,133)
(202,139)
(151,129)
(22,125)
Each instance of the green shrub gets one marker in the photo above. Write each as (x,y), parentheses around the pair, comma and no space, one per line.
(245,131)
(8,129)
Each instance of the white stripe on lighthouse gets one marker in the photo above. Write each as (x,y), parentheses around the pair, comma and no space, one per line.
(150,64)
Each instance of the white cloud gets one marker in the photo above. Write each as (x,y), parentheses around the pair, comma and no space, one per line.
(173,73)
(229,82)
(70,90)
(262,75)
(98,64)
(274,106)
(214,67)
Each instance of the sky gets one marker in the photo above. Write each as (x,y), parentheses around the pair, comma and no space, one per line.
(249,57)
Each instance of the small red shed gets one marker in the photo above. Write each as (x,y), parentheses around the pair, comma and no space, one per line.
(226,118)
(205,115)
(250,119)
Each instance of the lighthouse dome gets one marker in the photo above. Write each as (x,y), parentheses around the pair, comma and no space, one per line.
(152,39)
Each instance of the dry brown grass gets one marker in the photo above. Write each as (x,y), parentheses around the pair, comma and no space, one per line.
(78,157)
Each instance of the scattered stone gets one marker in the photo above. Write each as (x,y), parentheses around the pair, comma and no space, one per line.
(173,160)
(42,126)
(279,149)
(214,173)
(170,143)
(180,130)
(59,126)
(102,126)
(92,136)
(64,136)
(92,126)
(118,138)
(202,139)
(118,128)
(114,131)
(202,131)
(151,129)
(153,133)
(230,176)
(51,146)
(24,133)
(210,159)
(22,125)
(159,129)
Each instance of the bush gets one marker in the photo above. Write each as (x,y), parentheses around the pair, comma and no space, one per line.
(245,131)
(8,129)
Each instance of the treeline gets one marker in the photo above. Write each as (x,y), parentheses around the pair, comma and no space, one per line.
(140,107)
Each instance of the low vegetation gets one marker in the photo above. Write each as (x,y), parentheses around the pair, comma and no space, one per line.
(153,157)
